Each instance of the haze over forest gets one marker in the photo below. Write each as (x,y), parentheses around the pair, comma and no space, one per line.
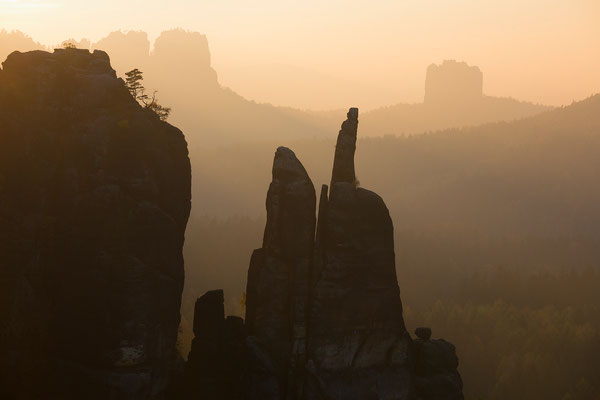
(539,51)
(479,126)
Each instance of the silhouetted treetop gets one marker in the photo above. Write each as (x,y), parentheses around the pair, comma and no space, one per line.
(133,83)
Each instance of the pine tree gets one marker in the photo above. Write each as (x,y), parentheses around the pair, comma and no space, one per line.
(133,83)
(161,111)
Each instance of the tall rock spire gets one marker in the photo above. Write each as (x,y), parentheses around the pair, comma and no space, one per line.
(358,345)
(323,312)
(343,163)
(277,291)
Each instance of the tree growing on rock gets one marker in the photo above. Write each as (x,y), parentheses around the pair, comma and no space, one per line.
(69,44)
(133,83)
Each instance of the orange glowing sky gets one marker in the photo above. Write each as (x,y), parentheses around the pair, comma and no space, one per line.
(545,51)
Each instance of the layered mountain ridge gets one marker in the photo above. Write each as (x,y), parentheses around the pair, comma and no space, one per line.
(179,68)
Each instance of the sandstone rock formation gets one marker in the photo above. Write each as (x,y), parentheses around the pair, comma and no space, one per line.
(217,362)
(94,201)
(278,281)
(325,320)
(358,345)
(128,50)
(435,364)
(453,82)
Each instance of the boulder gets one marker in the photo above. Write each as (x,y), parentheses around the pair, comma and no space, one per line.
(217,361)
(423,333)
(435,370)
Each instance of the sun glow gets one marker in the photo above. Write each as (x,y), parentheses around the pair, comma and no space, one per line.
(8,6)
(544,51)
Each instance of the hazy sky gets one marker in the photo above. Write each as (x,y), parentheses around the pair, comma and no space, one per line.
(540,50)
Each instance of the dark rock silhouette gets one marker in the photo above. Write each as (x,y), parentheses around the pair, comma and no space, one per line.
(209,326)
(94,201)
(323,313)
(423,333)
(217,362)
(358,345)
(343,162)
(435,374)
(278,278)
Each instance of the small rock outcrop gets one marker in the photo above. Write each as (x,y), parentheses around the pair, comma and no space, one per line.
(423,333)
(216,364)
(435,368)
(94,201)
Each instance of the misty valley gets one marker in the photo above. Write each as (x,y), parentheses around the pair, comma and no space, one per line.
(164,237)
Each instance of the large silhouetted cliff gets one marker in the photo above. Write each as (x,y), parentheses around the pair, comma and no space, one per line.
(94,201)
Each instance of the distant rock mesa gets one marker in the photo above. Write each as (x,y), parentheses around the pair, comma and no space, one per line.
(453,82)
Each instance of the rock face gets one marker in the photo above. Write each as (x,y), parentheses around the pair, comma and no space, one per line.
(217,362)
(325,320)
(94,201)
(278,281)
(358,345)
(435,374)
